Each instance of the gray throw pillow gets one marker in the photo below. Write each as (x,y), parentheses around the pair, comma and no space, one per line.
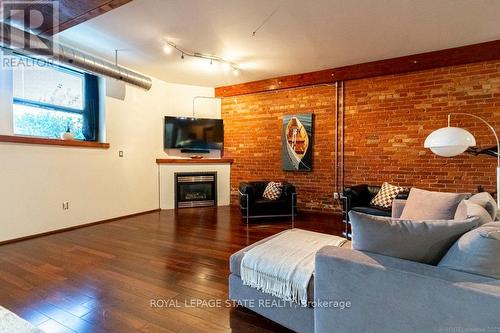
(428,205)
(477,252)
(421,241)
(485,200)
(467,209)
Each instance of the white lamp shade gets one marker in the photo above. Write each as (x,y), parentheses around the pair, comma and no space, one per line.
(449,141)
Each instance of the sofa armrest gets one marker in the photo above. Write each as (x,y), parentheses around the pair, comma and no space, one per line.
(288,190)
(246,189)
(403,196)
(355,195)
(397,208)
(393,295)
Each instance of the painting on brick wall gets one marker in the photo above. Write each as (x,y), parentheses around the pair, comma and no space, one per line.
(297,142)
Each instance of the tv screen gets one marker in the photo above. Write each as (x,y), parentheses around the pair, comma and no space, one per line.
(193,133)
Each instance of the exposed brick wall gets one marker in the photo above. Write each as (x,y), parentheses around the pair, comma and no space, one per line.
(252,136)
(386,122)
(388,118)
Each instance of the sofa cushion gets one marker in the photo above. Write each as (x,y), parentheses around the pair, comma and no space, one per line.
(421,241)
(477,252)
(269,202)
(485,200)
(467,209)
(428,205)
(397,208)
(386,195)
(266,207)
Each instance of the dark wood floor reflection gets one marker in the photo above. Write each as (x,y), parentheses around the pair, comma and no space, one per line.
(104,278)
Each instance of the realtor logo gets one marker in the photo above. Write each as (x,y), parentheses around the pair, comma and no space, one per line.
(32,17)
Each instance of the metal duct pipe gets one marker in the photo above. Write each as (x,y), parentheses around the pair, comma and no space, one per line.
(337,138)
(342,137)
(17,39)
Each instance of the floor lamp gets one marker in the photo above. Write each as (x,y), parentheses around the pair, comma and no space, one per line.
(452,141)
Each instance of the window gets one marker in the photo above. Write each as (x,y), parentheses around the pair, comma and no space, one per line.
(49,100)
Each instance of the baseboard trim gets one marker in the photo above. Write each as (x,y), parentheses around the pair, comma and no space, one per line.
(20,239)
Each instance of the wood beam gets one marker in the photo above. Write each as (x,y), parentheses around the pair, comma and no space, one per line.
(71,13)
(88,13)
(448,57)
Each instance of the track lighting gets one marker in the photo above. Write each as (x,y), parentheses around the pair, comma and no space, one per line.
(226,64)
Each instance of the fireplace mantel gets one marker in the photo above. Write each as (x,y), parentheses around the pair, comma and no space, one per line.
(194,161)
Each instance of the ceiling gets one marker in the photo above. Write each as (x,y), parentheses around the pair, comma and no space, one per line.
(301,36)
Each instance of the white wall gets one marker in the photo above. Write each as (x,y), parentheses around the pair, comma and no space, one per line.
(35,180)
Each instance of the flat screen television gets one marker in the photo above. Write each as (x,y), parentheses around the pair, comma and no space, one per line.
(193,134)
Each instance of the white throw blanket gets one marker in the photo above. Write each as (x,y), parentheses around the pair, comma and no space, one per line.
(284,265)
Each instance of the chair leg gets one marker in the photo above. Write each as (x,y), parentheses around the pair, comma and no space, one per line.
(248,209)
(247,199)
(345,215)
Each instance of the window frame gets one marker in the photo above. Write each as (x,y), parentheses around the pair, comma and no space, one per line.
(46,106)
(54,107)
(8,114)
(90,96)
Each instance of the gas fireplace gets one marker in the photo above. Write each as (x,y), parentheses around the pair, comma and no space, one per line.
(197,189)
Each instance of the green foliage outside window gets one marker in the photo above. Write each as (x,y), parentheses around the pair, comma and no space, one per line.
(46,123)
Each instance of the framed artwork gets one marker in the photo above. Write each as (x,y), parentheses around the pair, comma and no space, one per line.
(297,143)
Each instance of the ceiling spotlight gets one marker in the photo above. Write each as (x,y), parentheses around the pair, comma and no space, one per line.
(211,61)
(236,72)
(167,49)
(182,55)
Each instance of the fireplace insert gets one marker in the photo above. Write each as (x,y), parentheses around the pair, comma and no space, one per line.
(198,189)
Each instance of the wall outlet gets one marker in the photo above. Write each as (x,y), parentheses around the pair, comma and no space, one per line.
(120,153)
(336,196)
(65,205)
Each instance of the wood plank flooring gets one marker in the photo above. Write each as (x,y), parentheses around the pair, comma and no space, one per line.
(103,278)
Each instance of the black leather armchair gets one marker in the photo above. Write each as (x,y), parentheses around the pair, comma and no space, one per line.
(253,205)
(358,198)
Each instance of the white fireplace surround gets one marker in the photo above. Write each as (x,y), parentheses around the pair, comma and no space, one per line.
(167,180)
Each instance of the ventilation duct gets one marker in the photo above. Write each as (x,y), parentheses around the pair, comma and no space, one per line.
(17,40)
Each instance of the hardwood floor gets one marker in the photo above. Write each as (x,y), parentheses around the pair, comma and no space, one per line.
(103,278)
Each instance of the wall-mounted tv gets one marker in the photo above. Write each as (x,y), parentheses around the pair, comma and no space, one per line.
(193,134)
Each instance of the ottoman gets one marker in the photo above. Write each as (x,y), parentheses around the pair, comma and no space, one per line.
(288,314)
